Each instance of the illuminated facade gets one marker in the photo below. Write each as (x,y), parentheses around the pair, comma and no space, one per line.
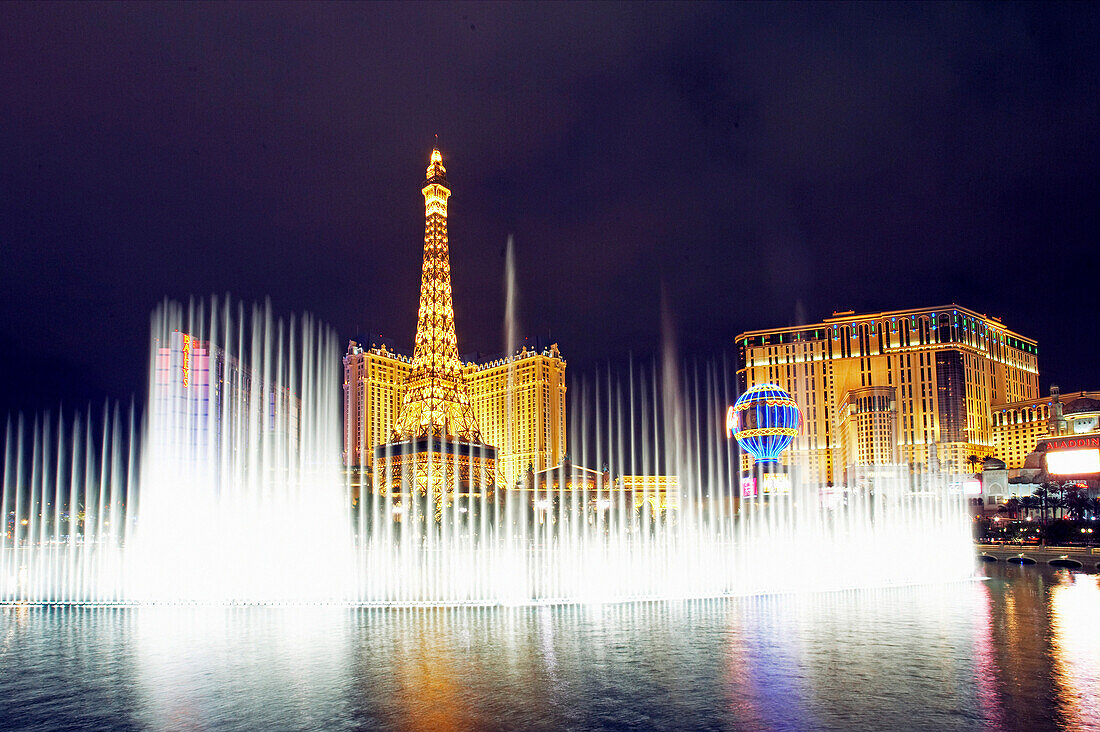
(520,404)
(656,494)
(942,371)
(516,405)
(202,397)
(1019,426)
(528,429)
(374,390)
(866,422)
(204,391)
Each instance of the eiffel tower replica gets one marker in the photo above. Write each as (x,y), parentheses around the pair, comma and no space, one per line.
(435,450)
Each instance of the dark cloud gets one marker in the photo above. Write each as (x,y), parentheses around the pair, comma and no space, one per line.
(747,157)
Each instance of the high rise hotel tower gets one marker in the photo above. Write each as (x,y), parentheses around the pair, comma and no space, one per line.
(911,388)
(514,404)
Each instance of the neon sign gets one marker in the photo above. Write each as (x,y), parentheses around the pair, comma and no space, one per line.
(764,420)
(186,359)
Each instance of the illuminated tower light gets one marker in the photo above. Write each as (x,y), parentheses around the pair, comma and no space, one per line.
(436,400)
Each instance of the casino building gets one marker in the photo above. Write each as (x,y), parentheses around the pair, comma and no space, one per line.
(513,406)
(1018,427)
(914,388)
(1056,439)
(207,393)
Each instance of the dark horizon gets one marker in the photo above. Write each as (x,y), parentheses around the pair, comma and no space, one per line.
(759,164)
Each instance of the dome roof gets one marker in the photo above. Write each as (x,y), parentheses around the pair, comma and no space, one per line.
(992,463)
(1034,460)
(1082,404)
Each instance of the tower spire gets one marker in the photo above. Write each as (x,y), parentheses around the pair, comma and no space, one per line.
(436,400)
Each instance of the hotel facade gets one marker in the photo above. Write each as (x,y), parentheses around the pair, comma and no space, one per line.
(913,388)
(519,404)
(1018,427)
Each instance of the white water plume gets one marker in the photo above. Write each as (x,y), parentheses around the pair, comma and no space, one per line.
(241,498)
(237,496)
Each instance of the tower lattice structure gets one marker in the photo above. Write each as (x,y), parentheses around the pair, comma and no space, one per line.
(436,449)
(436,400)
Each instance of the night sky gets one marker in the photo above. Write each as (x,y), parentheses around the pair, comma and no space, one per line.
(761,164)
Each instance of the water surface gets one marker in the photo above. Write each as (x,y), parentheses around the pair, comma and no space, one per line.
(1019,650)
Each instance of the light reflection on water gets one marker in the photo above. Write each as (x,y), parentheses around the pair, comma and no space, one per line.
(1016,651)
(1076,638)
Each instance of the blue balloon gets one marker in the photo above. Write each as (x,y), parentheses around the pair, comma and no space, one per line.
(764,420)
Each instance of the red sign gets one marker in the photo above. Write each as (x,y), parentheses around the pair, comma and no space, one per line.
(1070,443)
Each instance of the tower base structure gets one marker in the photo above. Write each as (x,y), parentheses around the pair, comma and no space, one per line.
(436,471)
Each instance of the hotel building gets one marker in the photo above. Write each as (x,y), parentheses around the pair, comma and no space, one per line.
(519,404)
(198,387)
(884,388)
(1019,426)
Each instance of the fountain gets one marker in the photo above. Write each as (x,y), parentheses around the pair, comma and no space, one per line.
(232,490)
(232,493)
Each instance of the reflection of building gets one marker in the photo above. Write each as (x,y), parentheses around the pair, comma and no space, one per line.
(944,369)
(515,404)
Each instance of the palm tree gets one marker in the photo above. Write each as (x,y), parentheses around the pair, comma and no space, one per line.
(1042,498)
(973,461)
(1054,500)
(1094,508)
(1049,497)
(1077,503)
(1011,507)
(1028,504)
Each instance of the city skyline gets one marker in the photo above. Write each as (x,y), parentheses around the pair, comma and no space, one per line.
(590,365)
(940,172)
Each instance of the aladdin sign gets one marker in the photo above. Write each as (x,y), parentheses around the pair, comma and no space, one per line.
(1070,443)
(1072,456)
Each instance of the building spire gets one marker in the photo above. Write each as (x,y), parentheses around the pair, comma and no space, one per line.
(436,400)
(436,172)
